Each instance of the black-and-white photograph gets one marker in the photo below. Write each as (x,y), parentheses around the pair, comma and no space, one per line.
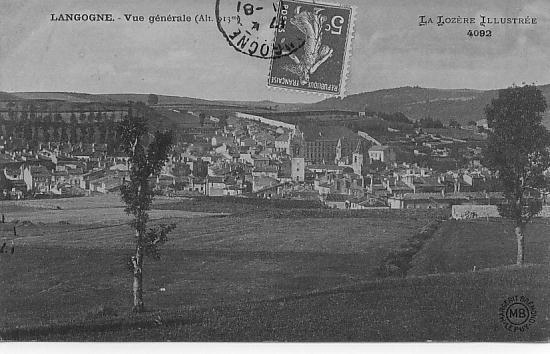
(275,171)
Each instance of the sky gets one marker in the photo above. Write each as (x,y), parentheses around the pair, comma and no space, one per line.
(389,49)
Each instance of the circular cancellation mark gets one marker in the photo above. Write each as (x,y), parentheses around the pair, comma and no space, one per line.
(249,27)
(517,313)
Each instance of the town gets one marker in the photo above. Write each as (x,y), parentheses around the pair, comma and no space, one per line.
(344,159)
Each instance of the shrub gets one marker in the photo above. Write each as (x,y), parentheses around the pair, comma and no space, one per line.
(398,262)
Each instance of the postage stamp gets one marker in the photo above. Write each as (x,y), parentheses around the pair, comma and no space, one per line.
(249,27)
(320,65)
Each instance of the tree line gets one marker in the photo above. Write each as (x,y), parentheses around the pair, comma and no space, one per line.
(35,132)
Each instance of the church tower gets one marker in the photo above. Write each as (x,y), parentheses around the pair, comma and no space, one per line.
(357,159)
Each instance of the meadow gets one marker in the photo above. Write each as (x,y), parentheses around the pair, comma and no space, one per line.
(269,273)
(104,210)
(65,270)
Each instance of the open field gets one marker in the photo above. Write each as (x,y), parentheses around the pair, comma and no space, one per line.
(103,201)
(105,216)
(105,210)
(247,277)
(63,271)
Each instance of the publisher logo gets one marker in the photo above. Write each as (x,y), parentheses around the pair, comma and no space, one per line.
(517,313)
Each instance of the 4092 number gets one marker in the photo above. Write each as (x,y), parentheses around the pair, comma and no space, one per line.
(479,33)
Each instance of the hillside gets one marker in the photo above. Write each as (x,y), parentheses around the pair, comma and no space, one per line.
(463,105)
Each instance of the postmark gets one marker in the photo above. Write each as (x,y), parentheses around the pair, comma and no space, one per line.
(320,65)
(249,27)
(517,313)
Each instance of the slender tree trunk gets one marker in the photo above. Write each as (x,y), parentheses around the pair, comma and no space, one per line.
(138,276)
(520,230)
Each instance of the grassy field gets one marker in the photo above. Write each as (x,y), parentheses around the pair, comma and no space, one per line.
(271,274)
(456,307)
(65,271)
(459,246)
(106,210)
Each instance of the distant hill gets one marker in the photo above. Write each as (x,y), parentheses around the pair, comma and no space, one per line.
(463,105)
(4,96)
(113,98)
(73,97)
(163,99)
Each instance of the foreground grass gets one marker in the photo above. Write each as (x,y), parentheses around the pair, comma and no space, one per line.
(265,277)
(61,272)
(459,246)
(459,307)
(43,286)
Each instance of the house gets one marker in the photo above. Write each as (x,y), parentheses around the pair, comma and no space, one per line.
(349,184)
(424,184)
(224,151)
(262,182)
(475,181)
(215,186)
(383,153)
(196,184)
(260,162)
(266,171)
(338,201)
(247,142)
(219,140)
(282,143)
(12,188)
(37,178)
(396,187)
(106,184)
(273,190)
(323,188)
(165,182)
